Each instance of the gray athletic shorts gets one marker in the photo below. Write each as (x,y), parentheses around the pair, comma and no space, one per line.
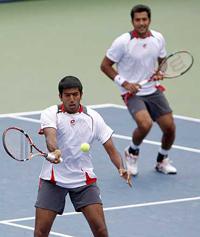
(156,104)
(52,197)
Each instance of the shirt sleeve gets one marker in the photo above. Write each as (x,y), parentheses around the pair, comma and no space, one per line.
(48,118)
(163,51)
(102,131)
(117,49)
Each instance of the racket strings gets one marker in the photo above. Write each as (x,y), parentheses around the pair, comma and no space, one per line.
(17,145)
(163,68)
(177,64)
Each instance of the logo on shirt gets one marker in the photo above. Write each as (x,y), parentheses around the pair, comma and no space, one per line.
(72,121)
(144,45)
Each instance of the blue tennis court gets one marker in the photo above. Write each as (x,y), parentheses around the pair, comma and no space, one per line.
(157,205)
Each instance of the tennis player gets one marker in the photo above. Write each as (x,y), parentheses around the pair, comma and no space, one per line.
(135,55)
(66,127)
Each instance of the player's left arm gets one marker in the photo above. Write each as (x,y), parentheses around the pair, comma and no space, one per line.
(117,160)
(158,74)
(160,60)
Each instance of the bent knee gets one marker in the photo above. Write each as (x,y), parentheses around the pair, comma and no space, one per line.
(145,126)
(170,130)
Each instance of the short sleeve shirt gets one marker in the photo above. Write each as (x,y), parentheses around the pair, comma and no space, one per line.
(72,130)
(136,58)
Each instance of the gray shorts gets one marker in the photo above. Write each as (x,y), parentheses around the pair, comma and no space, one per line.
(52,197)
(156,104)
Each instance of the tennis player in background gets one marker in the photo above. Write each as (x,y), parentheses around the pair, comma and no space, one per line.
(66,127)
(135,55)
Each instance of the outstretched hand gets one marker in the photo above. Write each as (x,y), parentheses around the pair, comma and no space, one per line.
(125,175)
(57,155)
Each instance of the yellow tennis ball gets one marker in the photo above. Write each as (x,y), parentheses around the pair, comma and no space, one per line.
(85,147)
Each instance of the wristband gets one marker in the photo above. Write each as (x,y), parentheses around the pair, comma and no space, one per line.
(119,80)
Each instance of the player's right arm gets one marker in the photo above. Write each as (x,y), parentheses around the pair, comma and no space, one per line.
(113,56)
(50,137)
(107,67)
(48,127)
(51,142)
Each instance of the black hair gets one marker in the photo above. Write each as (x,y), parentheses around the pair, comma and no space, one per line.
(140,8)
(69,82)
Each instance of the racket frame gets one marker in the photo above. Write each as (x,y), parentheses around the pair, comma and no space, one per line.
(32,145)
(164,61)
(171,55)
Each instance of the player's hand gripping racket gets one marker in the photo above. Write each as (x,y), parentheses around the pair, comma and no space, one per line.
(20,146)
(173,66)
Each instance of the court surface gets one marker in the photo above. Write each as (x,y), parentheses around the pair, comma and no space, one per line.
(157,206)
(44,40)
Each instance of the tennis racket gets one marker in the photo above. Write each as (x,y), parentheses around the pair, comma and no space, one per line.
(173,66)
(18,144)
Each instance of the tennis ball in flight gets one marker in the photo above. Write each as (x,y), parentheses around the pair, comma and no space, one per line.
(85,147)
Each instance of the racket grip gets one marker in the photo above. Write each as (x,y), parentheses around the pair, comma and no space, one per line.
(142,83)
(50,157)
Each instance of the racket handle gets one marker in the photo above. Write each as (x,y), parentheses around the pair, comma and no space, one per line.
(142,83)
(50,157)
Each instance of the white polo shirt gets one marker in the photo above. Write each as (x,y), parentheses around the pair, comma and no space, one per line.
(72,130)
(136,58)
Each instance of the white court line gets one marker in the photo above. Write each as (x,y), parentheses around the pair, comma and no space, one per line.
(39,111)
(119,136)
(158,144)
(24,119)
(175,116)
(33,218)
(153,203)
(31,228)
(20,114)
(96,107)
(145,204)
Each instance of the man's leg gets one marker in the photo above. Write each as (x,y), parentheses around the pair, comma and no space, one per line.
(43,222)
(166,123)
(95,218)
(50,202)
(144,124)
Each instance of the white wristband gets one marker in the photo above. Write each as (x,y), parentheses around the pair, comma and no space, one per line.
(51,157)
(119,80)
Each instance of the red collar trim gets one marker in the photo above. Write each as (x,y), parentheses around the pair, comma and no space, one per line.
(62,108)
(134,34)
(80,108)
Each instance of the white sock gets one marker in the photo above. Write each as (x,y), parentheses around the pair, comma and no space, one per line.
(163,151)
(133,146)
